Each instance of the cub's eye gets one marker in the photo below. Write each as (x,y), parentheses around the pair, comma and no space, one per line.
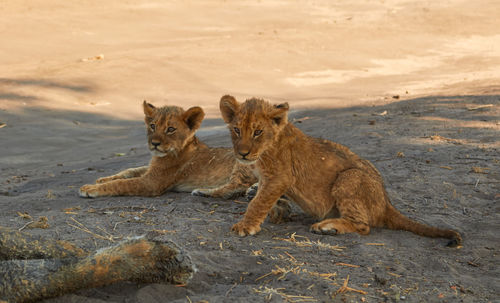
(237,131)
(171,130)
(152,126)
(257,132)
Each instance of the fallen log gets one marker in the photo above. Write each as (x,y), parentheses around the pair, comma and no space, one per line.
(146,259)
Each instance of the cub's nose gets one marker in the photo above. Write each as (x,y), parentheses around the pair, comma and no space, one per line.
(155,143)
(243,153)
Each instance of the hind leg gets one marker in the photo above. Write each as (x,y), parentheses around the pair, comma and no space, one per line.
(125,174)
(241,179)
(281,211)
(352,196)
(352,219)
(340,226)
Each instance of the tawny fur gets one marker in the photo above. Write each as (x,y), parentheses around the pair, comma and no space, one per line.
(180,162)
(34,268)
(324,178)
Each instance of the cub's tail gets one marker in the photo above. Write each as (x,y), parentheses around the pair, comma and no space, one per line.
(398,221)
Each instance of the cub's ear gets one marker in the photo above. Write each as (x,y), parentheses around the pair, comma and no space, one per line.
(193,117)
(279,114)
(148,108)
(228,108)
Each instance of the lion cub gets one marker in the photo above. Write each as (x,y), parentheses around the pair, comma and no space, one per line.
(324,178)
(180,161)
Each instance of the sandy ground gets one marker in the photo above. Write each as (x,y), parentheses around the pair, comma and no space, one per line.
(385,78)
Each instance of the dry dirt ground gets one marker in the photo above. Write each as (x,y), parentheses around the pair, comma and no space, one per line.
(412,86)
(438,157)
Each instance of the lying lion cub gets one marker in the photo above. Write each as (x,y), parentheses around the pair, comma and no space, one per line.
(324,178)
(180,161)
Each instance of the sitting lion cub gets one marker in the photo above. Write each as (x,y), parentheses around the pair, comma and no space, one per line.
(324,178)
(180,161)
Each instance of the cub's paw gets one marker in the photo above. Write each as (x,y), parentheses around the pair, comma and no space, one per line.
(280,213)
(252,192)
(322,229)
(106,179)
(244,229)
(201,193)
(88,191)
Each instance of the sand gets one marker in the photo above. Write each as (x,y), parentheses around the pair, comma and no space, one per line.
(411,86)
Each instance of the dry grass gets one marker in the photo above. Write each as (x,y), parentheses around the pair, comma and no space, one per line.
(308,243)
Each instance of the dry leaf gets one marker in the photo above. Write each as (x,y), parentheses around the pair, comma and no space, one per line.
(480,170)
(50,194)
(24,215)
(71,209)
(441,138)
(446,167)
(41,223)
(400,155)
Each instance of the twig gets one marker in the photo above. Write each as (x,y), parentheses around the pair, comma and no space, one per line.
(25,225)
(263,276)
(85,229)
(347,264)
(119,222)
(102,229)
(474,158)
(291,257)
(279,291)
(345,288)
(89,232)
(205,212)
(199,219)
(309,243)
(227,293)
(479,107)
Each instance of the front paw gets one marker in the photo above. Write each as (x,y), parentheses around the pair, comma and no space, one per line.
(106,179)
(201,193)
(243,229)
(88,191)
